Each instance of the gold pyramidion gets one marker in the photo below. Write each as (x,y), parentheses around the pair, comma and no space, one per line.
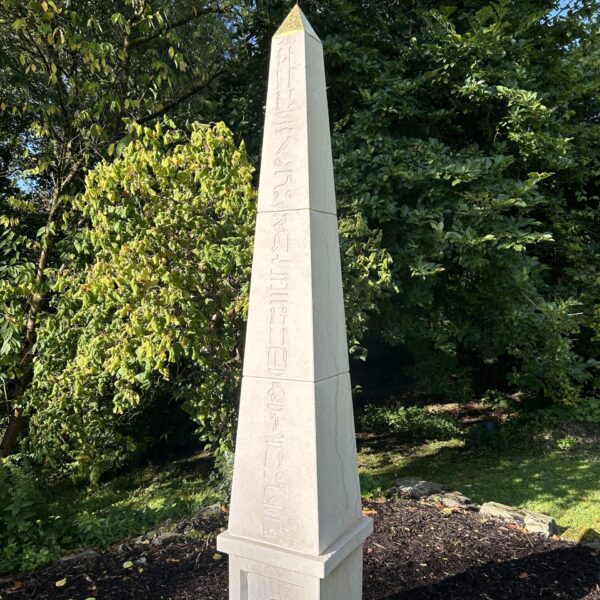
(294,22)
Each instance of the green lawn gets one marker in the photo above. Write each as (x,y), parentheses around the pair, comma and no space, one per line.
(561,483)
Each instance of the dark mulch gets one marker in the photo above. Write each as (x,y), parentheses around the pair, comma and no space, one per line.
(417,552)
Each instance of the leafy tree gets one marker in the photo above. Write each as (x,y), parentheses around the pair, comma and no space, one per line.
(466,140)
(154,295)
(73,74)
(470,177)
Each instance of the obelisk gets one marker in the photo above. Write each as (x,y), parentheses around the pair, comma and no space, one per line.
(296,527)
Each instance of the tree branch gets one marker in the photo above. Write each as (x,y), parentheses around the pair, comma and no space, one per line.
(194,14)
(174,102)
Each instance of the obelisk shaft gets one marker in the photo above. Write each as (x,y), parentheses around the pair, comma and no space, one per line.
(295,527)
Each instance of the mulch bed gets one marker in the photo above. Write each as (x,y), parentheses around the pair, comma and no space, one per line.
(417,552)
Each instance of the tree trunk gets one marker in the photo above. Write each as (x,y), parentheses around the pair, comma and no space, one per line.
(16,418)
(13,430)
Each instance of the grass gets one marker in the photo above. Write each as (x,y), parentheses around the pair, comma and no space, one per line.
(138,501)
(562,483)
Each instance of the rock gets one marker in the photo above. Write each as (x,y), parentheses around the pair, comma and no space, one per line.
(502,511)
(83,555)
(582,535)
(595,545)
(415,488)
(457,500)
(167,536)
(533,522)
(540,524)
(213,510)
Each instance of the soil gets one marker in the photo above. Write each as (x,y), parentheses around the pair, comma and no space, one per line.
(418,551)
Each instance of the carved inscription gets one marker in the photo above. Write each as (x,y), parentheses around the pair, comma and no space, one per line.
(279,295)
(282,195)
(273,463)
(285,106)
(279,290)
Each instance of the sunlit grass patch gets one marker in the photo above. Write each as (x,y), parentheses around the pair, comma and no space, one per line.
(564,484)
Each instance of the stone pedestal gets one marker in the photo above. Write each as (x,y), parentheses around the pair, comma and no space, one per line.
(296,528)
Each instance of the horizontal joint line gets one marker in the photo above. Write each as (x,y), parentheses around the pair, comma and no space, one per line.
(295,380)
(323,212)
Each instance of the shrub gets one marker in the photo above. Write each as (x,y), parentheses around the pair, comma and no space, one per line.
(151,302)
(27,533)
(411,423)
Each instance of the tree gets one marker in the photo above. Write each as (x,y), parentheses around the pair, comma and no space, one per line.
(465,139)
(469,176)
(74,74)
(154,295)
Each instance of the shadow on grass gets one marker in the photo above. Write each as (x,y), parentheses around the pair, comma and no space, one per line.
(572,572)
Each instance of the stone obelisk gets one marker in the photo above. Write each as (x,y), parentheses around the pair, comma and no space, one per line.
(296,527)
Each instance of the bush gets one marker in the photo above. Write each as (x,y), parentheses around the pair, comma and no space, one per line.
(27,533)
(152,302)
(411,423)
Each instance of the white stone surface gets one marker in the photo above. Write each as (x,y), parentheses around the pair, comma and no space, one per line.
(296,528)
(295,479)
(296,325)
(313,565)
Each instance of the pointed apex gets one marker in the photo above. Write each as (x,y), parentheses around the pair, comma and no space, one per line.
(296,21)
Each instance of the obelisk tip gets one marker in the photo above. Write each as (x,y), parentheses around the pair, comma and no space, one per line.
(296,21)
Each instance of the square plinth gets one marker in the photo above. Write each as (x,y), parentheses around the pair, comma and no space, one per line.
(252,580)
(259,571)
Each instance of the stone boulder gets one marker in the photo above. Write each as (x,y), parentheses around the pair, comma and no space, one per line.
(539,523)
(415,488)
(582,535)
(457,500)
(532,522)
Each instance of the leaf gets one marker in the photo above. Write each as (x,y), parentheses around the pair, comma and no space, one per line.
(127,564)
(61,582)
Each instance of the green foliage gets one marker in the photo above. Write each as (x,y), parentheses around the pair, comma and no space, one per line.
(460,154)
(567,442)
(586,410)
(411,423)
(26,541)
(17,279)
(154,297)
(72,78)
(39,522)
(78,71)
(466,144)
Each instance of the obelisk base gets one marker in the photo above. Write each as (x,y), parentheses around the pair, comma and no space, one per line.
(259,571)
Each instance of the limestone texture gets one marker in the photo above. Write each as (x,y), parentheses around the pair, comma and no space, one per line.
(296,527)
